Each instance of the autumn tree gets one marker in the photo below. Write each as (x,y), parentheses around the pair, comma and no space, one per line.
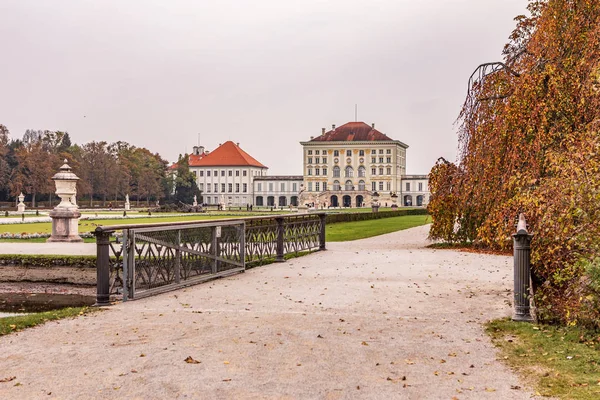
(529,142)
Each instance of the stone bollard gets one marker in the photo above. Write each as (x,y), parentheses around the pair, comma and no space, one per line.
(522,271)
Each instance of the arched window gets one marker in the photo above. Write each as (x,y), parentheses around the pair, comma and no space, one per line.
(361,185)
(259,200)
(349,172)
(336,185)
(361,172)
(348,185)
(336,172)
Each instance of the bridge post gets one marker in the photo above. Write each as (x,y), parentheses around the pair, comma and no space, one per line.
(522,272)
(280,241)
(323,218)
(102,268)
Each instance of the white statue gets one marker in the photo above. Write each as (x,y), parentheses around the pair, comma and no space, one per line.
(195,201)
(127,205)
(21,205)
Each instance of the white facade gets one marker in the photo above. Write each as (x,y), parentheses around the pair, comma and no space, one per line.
(415,190)
(230,185)
(277,191)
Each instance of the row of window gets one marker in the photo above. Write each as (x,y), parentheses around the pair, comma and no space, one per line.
(230,200)
(349,171)
(228,173)
(282,186)
(336,153)
(229,187)
(282,201)
(420,186)
(348,186)
(323,160)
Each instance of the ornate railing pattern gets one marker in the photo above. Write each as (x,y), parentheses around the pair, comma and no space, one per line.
(154,258)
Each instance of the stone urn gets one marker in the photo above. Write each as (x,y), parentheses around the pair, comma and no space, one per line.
(394,197)
(375,202)
(65,216)
(21,205)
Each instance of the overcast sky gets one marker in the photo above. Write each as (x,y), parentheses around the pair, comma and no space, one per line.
(163,74)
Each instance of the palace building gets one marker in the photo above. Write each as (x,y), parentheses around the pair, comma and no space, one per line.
(345,166)
(226,175)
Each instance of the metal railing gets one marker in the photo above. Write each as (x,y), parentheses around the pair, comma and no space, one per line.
(154,258)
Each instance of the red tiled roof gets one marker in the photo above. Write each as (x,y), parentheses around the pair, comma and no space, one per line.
(228,154)
(193,158)
(352,132)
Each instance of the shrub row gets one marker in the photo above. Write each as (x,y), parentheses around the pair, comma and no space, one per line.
(350,217)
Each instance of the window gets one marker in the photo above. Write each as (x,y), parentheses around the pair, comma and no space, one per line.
(317,171)
(361,185)
(318,186)
(244,173)
(216,200)
(336,153)
(373,160)
(420,186)
(310,186)
(201,187)
(309,152)
(270,186)
(207,173)
(361,172)
(237,172)
(208,187)
(388,186)
(373,185)
(380,186)
(388,160)
(259,186)
(237,187)
(388,151)
(317,152)
(222,188)
(324,171)
(216,187)
(373,171)
(381,160)
(282,186)
(380,170)
(361,153)
(348,185)
(388,170)
(230,173)
(222,172)
(309,172)
(324,160)
(408,186)
(373,151)
(245,188)
(336,172)
(348,153)
(349,172)
(201,173)
(380,151)
(310,160)
(336,185)
(215,173)
(324,186)
(259,200)
(294,187)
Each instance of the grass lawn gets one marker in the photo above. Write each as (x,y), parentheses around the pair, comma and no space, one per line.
(20,322)
(345,231)
(562,362)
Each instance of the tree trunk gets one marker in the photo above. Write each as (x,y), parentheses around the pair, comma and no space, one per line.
(33,200)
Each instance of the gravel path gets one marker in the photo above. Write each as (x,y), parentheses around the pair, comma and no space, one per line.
(371,319)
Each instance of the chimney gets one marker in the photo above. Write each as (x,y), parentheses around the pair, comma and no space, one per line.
(322,131)
(238,144)
(333,127)
(201,150)
(373,125)
(195,150)
(312,137)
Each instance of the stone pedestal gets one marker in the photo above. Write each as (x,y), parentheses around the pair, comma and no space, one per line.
(64,225)
(394,206)
(127,206)
(21,208)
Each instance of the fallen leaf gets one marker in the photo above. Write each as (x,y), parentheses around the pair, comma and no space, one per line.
(190,360)
(365,343)
(491,389)
(12,378)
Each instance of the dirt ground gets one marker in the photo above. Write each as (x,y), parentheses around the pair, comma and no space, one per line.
(372,319)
